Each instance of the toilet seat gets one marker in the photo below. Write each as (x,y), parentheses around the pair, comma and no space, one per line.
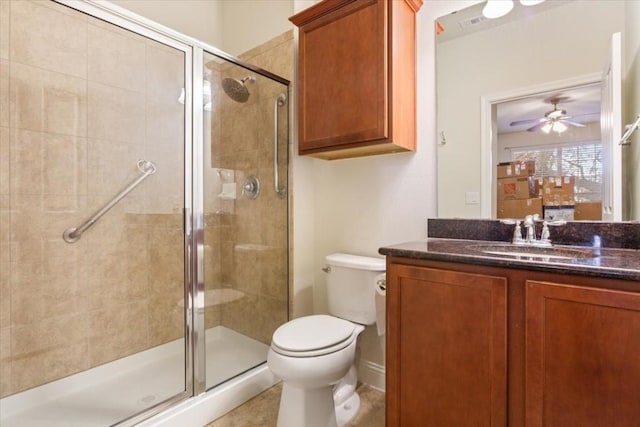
(315,335)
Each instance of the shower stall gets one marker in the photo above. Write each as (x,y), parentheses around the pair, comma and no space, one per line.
(144,221)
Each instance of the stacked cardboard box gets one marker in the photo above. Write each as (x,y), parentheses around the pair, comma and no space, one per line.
(591,211)
(558,197)
(518,191)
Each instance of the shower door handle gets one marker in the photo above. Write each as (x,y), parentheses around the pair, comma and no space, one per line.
(279,102)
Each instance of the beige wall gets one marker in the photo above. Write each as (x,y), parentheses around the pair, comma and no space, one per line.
(233,26)
(73,124)
(195,18)
(248,23)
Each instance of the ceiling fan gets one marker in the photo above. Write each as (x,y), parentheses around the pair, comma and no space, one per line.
(555,120)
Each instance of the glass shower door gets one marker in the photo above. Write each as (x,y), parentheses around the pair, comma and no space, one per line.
(245,215)
(92,145)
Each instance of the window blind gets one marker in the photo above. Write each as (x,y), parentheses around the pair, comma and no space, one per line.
(583,161)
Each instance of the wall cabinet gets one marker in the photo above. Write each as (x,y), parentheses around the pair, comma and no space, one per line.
(487,346)
(356,77)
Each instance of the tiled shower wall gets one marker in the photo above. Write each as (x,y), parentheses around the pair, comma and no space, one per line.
(249,237)
(80,102)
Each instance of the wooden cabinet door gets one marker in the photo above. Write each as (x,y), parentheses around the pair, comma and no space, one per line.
(446,348)
(582,356)
(357,77)
(343,76)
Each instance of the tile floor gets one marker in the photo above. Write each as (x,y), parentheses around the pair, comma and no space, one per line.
(262,410)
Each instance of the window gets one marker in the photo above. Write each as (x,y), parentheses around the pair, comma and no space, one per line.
(583,161)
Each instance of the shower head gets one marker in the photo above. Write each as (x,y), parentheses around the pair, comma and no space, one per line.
(236,89)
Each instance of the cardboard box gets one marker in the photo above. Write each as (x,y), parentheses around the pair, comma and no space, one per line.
(588,211)
(518,188)
(516,169)
(553,213)
(558,200)
(558,190)
(519,208)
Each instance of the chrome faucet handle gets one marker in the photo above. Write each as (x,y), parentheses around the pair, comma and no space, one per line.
(545,237)
(517,231)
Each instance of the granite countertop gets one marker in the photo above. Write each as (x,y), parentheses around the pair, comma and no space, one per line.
(603,249)
(598,262)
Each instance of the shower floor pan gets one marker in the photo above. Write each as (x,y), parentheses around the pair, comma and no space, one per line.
(107,394)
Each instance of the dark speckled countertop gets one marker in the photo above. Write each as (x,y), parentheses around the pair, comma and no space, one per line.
(603,249)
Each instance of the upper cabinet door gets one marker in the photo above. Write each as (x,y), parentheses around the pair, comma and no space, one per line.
(356,77)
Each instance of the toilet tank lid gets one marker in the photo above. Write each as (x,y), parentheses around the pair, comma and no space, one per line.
(356,261)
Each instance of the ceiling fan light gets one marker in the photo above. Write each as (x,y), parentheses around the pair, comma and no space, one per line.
(559,127)
(530,2)
(497,8)
(556,114)
(547,128)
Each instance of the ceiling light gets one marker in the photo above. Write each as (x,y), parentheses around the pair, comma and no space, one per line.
(559,127)
(497,8)
(530,2)
(547,128)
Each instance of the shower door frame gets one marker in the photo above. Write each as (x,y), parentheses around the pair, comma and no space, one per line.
(193,209)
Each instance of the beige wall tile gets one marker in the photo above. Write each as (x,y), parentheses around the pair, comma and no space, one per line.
(63,291)
(42,367)
(27,303)
(166,321)
(165,73)
(116,60)
(118,332)
(5,144)
(64,165)
(26,162)
(5,10)
(165,126)
(26,228)
(4,91)
(166,262)
(46,101)
(116,114)
(5,361)
(165,189)
(48,333)
(5,293)
(112,167)
(46,38)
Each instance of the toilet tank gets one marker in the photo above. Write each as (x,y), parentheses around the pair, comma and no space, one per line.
(351,282)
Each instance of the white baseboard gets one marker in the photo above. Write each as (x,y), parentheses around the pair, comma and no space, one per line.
(372,374)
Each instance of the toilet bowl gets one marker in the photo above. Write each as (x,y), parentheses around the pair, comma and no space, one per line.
(314,356)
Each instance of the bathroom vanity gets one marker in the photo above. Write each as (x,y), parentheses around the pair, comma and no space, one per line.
(483,333)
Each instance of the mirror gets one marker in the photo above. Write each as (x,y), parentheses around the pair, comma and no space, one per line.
(491,73)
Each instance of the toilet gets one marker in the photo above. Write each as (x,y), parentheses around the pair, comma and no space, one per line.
(314,356)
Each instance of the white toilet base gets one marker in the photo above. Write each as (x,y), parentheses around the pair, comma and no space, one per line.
(346,412)
(306,407)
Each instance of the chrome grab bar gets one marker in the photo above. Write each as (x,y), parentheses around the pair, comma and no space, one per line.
(73,234)
(279,102)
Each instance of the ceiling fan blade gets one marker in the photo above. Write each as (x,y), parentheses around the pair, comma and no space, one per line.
(527,122)
(572,123)
(538,126)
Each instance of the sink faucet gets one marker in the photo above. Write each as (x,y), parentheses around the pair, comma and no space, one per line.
(529,224)
(530,227)
(545,236)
